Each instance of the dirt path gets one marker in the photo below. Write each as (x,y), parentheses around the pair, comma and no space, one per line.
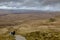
(19,37)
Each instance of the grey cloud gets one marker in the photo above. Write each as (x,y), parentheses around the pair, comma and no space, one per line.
(53,5)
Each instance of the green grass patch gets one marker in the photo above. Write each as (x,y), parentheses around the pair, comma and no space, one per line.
(40,35)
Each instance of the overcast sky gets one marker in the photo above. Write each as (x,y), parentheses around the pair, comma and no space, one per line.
(45,5)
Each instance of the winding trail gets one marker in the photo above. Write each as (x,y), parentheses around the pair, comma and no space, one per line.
(19,37)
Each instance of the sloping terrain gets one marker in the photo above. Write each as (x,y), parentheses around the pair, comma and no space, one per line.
(25,23)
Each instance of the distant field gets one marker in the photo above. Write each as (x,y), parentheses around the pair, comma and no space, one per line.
(29,23)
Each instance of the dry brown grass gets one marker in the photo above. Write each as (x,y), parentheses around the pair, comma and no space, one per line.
(27,23)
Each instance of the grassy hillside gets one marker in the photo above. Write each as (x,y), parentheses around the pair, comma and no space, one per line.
(34,26)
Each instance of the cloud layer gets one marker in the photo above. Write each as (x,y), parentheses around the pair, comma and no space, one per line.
(44,5)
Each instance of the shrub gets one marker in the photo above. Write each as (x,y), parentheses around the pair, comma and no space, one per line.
(52,19)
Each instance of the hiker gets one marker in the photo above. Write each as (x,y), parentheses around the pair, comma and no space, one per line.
(12,33)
